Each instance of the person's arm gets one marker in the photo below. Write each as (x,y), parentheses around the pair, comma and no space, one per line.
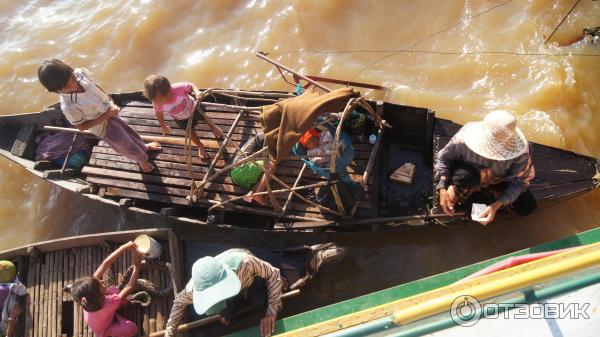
(160,116)
(112,258)
(449,154)
(181,301)
(12,320)
(137,263)
(259,268)
(110,113)
(522,173)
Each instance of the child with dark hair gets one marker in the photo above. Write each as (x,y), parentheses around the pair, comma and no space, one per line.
(177,101)
(100,303)
(88,107)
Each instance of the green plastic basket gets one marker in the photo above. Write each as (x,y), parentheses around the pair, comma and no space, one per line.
(247,174)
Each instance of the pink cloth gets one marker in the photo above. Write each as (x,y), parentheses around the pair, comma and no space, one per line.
(106,322)
(180,107)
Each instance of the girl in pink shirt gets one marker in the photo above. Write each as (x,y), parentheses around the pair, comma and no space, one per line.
(177,101)
(100,304)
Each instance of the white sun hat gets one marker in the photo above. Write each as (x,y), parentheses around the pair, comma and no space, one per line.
(496,137)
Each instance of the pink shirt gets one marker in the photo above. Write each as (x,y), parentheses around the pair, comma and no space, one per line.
(101,320)
(180,107)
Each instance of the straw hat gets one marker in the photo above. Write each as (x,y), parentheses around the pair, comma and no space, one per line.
(497,137)
(213,282)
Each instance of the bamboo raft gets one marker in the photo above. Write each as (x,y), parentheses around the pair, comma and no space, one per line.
(47,267)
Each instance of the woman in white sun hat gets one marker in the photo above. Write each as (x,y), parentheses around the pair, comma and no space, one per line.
(497,149)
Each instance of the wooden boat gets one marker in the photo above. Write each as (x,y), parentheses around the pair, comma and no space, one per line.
(45,268)
(415,136)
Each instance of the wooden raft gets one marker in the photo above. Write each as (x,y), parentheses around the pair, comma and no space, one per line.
(170,182)
(51,312)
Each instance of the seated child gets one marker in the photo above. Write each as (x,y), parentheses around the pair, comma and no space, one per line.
(176,101)
(100,303)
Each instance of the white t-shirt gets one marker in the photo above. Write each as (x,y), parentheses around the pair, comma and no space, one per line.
(88,105)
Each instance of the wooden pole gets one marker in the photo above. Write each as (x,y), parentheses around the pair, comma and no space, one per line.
(281,66)
(213,144)
(289,198)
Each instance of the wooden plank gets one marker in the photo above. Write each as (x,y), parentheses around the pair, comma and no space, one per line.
(77,259)
(288,168)
(53,294)
(30,300)
(46,277)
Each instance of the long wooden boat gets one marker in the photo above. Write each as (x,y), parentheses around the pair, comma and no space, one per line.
(415,136)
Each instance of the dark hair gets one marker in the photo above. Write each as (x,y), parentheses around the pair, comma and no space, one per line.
(54,74)
(155,85)
(86,291)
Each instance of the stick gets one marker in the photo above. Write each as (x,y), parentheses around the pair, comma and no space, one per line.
(64,165)
(213,144)
(289,198)
(281,66)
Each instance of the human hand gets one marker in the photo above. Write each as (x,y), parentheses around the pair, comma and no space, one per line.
(267,325)
(137,258)
(489,213)
(223,320)
(452,194)
(446,202)
(113,111)
(166,130)
(15,311)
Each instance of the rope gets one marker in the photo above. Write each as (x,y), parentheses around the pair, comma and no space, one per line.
(561,22)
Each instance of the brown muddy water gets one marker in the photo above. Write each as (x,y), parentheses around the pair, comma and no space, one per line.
(482,62)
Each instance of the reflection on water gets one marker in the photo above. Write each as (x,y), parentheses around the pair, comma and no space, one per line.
(211,43)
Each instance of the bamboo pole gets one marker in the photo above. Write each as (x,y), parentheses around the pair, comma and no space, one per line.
(255,93)
(200,186)
(213,144)
(289,198)
(281,66)
(220,204)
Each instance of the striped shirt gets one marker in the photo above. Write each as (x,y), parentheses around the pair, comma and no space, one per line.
(249,268)
(518,172)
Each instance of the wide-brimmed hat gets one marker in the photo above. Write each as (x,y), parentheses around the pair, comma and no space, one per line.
(496,137)
(213,282)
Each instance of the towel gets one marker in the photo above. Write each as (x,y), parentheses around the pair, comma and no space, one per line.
(284,122)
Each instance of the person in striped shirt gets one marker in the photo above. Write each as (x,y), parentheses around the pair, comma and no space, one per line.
(217,280)
(490,154)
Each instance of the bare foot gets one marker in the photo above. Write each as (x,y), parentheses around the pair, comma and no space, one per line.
(154,146)
(145,166)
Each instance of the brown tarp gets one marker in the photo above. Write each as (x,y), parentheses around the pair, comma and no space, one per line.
(284,122)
